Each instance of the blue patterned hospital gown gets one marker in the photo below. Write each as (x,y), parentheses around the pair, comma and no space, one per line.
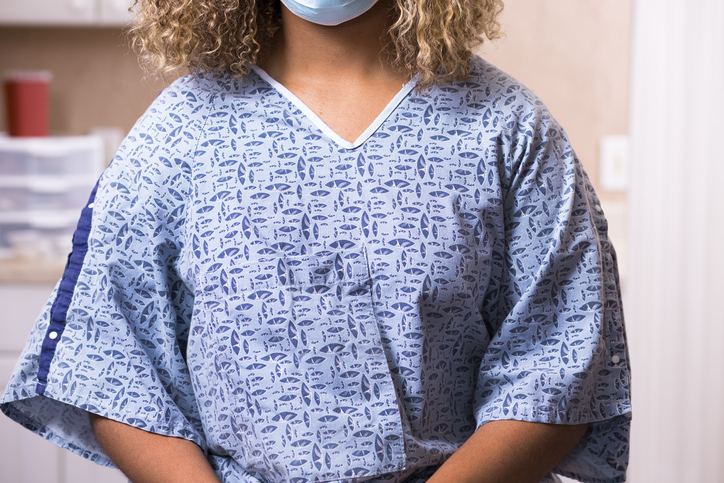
(308,309)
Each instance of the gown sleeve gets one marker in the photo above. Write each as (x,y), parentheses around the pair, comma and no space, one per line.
(558,353)
(112,338)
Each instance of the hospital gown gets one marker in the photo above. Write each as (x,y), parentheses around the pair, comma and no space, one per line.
(310,309)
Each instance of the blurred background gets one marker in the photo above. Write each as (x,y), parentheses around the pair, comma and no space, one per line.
(637,84)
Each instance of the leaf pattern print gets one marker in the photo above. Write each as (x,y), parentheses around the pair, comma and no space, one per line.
(309,310)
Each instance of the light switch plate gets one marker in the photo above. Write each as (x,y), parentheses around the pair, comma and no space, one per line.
(614,162)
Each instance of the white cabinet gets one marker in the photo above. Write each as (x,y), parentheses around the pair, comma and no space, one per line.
(26,457)
(65,12)
(114,12)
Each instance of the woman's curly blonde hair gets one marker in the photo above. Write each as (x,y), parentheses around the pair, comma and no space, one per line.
(430,38)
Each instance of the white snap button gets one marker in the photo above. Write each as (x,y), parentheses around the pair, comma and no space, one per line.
(615,359)
(53,335)
(91,205)
(598,208)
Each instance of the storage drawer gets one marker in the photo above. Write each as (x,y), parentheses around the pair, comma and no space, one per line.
(37,236)
(76,155)
(51,197)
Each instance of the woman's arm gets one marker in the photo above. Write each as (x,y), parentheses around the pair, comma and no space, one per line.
(510,451)
(151,458)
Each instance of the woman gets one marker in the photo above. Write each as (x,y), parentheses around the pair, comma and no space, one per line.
(342,249)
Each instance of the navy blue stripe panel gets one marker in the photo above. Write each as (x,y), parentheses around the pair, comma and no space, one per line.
(59,310)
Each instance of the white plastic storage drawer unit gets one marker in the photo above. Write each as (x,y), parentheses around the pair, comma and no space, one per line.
(44,183)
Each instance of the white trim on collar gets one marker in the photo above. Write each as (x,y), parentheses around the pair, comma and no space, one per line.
(322,126)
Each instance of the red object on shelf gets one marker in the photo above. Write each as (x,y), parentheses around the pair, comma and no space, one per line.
(26,101)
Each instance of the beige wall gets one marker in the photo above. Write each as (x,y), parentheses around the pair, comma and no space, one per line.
(573,53)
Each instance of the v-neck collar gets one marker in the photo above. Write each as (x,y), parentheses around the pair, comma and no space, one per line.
(322,126)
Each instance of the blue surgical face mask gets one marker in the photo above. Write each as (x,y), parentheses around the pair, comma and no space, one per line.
(328,12)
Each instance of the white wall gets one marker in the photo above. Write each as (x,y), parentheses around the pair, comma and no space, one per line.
(676,268)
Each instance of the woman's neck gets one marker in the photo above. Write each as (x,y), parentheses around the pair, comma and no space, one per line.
(353,50)
(342,73)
